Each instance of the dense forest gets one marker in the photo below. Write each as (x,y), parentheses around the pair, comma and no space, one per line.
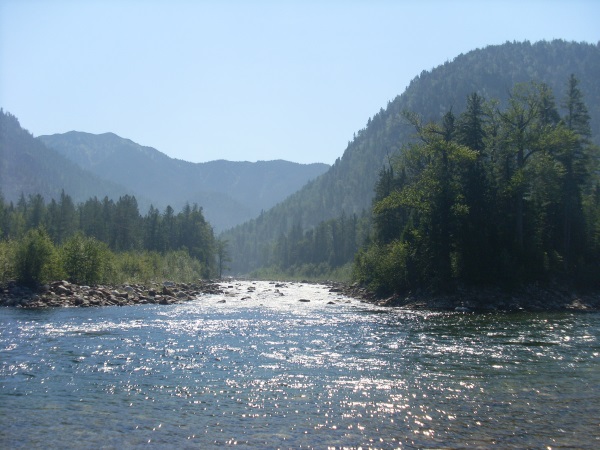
(347,188)
(104,241)
(498,195)
(325,251)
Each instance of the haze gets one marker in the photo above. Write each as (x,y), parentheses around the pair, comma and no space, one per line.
(250,81)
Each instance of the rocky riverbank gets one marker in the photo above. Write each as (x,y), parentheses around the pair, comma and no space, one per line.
(63,293)
(531,298)
(528,298)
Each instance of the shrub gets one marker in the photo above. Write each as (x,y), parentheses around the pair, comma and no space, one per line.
(36,259)
(87,260)
(385,269)
(7,258)
(147,267)
(180,266)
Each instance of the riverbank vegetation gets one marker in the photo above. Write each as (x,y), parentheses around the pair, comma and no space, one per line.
(316,273)
(324,252)
(347,187)
(500,195)
(102,241)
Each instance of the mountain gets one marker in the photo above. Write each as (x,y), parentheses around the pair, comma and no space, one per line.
(229,192)
(348,186)
(28,167)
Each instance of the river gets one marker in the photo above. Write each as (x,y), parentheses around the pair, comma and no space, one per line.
(296,366)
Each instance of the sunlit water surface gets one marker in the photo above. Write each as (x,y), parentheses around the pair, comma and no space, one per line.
(265,370)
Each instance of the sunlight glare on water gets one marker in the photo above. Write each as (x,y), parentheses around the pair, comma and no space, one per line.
(258,367)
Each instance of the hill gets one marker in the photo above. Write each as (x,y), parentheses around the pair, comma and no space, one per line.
(348,186)
(229,192)
(28,167)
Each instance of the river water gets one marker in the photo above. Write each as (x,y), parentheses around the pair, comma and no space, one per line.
(265,370)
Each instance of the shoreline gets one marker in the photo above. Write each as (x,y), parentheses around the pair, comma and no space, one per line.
(65,294)
(531,298)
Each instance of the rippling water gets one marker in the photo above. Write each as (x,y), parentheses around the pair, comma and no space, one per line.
(264,370)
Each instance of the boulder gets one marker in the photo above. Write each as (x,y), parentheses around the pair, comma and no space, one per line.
(62,290)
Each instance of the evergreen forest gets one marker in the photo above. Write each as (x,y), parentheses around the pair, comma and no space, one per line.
(313,216)
(103,241)
(498,195)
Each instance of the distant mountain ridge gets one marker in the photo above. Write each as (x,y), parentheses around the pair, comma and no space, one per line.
(229,192)
(348,186)
(28,167)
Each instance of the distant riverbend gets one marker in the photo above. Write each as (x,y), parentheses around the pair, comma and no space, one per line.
(292,365)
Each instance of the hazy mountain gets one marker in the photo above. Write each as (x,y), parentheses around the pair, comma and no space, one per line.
(348,185)
(229,192)
(29,167)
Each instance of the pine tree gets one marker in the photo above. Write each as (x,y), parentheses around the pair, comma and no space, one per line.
(574,157)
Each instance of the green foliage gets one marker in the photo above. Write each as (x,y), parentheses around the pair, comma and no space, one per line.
(348,186)
(118,225)
(386,268)
(7,261)
(36,259)
(152,267)
(306,272)
(103,242)
(508,196)
(317,253)
(182,267)
(223,256)
(87,260)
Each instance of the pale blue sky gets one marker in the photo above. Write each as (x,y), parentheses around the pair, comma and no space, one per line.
(256,80)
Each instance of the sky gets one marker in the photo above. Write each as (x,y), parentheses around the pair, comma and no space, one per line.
(245,80)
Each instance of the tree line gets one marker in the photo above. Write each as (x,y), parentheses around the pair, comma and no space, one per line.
(499,195)
(348,185)
(318,252)
(104,241)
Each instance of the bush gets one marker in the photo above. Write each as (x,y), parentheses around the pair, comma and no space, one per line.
(180,266)
(385,269)
(36,259)
(87,260)
(7,258)
(131,268)
(147,267)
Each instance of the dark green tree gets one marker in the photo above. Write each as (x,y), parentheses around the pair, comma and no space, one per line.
(223,256)
(36,259)
(62,218)
(574,152)
(126,225)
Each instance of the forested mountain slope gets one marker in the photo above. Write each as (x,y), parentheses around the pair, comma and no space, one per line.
(348,187)
(229,192)
(28,167)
